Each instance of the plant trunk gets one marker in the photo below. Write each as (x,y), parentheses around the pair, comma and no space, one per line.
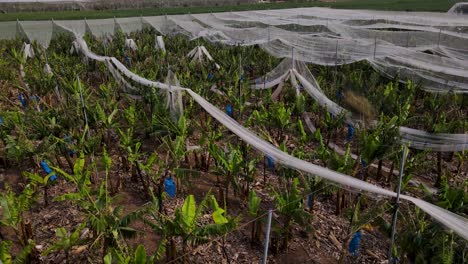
(59,161)
(67,256)
(46,196)
(390,174)
(338,202)
(379,170)
(172,251)
(69,161)
(366,173)
(228,180)
(225,253)
(142,179)
(26,231)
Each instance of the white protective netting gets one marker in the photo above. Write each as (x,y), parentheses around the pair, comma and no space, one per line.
(298,73)
(429,48)
(459,9)
(173,96)
(200,54)
(28,51)
(452,221)
(159,44)
(301,78)
(130,44)
(436,142)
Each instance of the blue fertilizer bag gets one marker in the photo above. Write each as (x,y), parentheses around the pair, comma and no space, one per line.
(170,187)
(229,110)
(354,243)
(23,101)
(270,162)
(45,167)
(350,133)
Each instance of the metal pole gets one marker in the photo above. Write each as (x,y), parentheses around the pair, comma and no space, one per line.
(267,237)
(438,41)
(83,106)
(268,33)
(395,212)
(407,39)
(375,45)
(240,83)
(292,56)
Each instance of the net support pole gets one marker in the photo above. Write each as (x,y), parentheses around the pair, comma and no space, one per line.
(375,46)
(269,34)
(83,106)
(407,39)
(292,55)
(395,212)
(267,237)
(336,63)
(240,83)
(438,39)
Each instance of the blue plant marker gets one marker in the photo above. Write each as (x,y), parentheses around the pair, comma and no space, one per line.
(1,121)
(309,200)
(210,76)
(350,132)
(22,100)
(270,162)
(354,243)
(229,110)
(69,141)
(35,97)
(127,61)
(170,187)
(339,95)
(363,163)
(45,167)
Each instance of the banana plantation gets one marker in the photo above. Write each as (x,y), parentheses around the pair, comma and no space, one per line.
(101,163)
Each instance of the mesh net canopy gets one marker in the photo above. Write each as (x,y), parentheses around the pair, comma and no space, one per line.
(428,48)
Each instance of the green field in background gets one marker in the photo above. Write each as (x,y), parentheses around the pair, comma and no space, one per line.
(395,5)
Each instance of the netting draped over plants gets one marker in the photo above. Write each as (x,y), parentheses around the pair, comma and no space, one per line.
(429,48)
(452,221)
(412,137)
(459,8)
(437,142)
(159,44)
(200,54)
(300,77)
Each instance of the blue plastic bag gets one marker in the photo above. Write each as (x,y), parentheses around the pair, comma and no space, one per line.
(339,95)
(128,61)
(69,141)
(22,100)
(35,97)
(350,132)
(210,76)
(170,187)
(229,110)
(354,243)
(270,162)
(45,167)
(363,163)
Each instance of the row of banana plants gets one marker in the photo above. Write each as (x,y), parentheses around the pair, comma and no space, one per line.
(99,139)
